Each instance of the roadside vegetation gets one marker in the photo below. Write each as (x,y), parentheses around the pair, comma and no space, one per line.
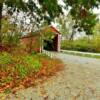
(76,39)
(83,45)
(23,70)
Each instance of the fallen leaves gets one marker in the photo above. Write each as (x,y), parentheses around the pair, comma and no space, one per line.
(48,68)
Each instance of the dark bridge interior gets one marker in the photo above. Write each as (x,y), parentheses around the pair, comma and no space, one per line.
(51,45)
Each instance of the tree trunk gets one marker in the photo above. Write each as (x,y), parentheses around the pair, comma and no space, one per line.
(72,36)
(1,7)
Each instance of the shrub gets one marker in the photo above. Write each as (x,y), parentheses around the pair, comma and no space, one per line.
(21,70)
(11,39)
(25,69)
(84,45)
(96,44)
(26,64)
(36,65)
(32,64)
(66,45)
(5,59)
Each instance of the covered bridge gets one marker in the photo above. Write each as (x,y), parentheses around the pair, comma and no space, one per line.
(47,38)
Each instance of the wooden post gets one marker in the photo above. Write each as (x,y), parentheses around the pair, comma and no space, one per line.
(59,42)
(41,44)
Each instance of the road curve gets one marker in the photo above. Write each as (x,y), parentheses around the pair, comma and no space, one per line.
(80,80)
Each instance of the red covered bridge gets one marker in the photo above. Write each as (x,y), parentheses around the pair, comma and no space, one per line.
(35,42)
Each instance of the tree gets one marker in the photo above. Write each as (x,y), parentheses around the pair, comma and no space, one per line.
(47,10)
(81,11)
(65,25)
(96,29)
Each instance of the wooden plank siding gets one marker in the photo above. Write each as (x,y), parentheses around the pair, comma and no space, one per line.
(34,42)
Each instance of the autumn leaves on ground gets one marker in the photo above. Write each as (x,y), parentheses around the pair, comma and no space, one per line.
(22,70)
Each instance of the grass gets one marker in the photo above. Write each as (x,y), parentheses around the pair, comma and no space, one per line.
(83,55)
(83,45)
(24,69)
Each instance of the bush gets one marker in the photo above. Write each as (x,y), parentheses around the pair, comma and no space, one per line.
(5,59)
(66,45)
(11,39)
(32,64)
(96,44)
(21,70)
(23,65)
(83,45)
(25,69)
(36,65)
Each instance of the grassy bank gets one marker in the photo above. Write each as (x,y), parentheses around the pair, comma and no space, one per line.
(90,55)
(83,45)
(23,70)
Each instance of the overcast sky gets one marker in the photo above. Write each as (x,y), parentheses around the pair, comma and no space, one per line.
(96,11)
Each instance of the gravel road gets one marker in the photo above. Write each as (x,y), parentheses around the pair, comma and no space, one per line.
(80,80)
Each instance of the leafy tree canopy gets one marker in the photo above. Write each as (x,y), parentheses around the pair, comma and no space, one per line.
(82,13)
(48,8)
(81,10)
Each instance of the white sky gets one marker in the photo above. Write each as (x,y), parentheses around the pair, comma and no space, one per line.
(96,11)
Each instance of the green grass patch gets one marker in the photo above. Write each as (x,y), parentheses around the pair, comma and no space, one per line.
(23,69)
(83,55)
(5,58)
(83,45)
